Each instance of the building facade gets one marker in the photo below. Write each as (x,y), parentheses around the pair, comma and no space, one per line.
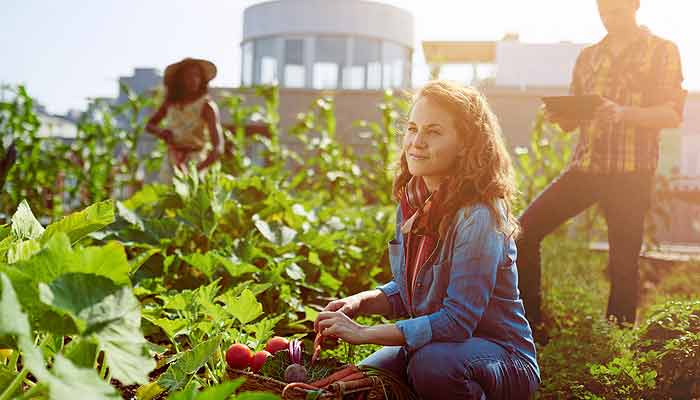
(327,45)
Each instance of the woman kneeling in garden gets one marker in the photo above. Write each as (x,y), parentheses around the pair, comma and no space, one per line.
(452,261)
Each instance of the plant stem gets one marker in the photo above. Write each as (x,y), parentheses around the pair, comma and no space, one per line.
(211,373)
(39,387)
(14,385)
(14,358)
(103,367)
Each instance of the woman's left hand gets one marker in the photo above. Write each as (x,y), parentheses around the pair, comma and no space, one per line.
(335,323)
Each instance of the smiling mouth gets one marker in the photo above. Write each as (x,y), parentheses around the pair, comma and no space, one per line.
(417,157)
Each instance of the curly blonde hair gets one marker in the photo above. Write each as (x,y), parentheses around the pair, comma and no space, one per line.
(484,174)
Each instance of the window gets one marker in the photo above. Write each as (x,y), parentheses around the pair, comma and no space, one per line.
(247,72)
(329,58)
(266,61)
(395,65)
(366,69)
(294,70)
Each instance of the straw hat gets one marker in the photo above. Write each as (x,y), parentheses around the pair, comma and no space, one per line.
(207,67)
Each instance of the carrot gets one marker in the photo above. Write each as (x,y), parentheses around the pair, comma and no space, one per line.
(352,377)
(334,377)
(317,347)
(300,385)
(345,387)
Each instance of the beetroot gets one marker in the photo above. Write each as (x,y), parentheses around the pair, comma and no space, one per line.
(295,351)
(295,373)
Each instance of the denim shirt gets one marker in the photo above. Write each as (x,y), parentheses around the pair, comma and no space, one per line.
(470,288)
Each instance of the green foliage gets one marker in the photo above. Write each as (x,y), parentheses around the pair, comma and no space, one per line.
(255,247)
(187,364)
(82,293)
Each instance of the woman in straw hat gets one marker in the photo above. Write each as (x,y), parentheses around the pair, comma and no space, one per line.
(189,113)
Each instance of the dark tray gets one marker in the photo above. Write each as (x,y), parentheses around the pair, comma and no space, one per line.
(579,108)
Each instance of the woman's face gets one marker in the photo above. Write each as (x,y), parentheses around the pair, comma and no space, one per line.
(431,142)
(191,78)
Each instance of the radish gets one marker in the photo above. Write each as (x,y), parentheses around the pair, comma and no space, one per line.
(259,360)
(276,344)
(239,356)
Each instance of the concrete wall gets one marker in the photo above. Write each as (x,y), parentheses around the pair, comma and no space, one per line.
(535,64)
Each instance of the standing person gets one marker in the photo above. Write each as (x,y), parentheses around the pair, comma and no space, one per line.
(639,76)
(190,115)
(464,334)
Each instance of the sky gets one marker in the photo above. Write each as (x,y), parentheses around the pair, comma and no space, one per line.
(67,51)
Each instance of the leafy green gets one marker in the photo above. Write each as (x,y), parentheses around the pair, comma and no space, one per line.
(188,363)
(24,225)
(109,312)
(65,379)
(245,307)
(79,224)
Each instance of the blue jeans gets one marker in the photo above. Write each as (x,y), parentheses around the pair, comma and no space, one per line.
(475,369)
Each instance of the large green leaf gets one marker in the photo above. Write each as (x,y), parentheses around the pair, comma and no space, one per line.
(92,301)
(41,316)
(276,233)
(65,380)
(82,351)
(147,196)
(57,257)
(263,329)
(222,391)
(109,312)
(22,250)
(12,320)
(126,350)
(234,266)
(24,224)
(108,260)
(244,307)
(141,258)
(79,224)
(187,364)
(130,216)
(171,327)
(203,262)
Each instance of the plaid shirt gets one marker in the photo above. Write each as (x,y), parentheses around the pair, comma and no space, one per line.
(647,73)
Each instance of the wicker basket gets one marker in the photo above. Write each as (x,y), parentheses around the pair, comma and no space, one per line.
(336,391)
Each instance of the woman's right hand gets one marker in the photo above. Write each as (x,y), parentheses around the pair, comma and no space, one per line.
(349,306)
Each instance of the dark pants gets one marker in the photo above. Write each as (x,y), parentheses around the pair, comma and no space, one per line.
(475,369)
(624,199)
